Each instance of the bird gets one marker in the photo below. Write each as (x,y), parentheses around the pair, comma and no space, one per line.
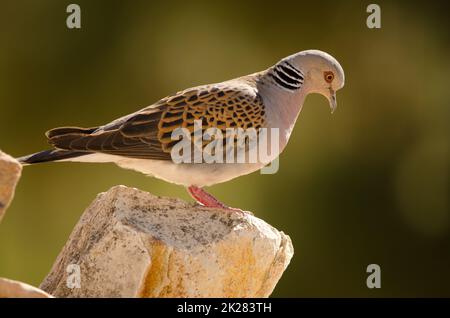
(143,141)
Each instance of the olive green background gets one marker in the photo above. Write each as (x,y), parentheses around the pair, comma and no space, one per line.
(368,184)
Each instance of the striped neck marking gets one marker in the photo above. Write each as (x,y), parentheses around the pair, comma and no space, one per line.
(287,76)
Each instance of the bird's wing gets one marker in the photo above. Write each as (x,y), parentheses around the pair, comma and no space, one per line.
(146,134)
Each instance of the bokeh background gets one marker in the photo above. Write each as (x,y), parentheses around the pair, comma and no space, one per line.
(369,184)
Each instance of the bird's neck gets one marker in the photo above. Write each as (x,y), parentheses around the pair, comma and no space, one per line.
(282,106)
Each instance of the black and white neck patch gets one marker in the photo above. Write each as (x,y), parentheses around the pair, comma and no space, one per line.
(286,76)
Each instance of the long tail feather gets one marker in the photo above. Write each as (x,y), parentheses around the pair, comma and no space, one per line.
(50,155)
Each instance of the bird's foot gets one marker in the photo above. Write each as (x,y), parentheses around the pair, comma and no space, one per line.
(208,200)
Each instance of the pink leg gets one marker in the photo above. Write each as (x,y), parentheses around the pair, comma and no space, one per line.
(206,199)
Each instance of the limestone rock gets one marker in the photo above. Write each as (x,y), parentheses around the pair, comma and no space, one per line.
(10,170)
(14,289)
(130,243)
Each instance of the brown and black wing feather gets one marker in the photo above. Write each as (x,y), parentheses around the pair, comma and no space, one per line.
(134,136)
(146,134)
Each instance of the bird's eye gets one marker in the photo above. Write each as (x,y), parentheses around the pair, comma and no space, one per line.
(328,76)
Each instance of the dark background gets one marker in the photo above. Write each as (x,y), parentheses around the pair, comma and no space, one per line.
(369,184)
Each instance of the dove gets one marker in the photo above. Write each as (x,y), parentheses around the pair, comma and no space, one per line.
(143,141)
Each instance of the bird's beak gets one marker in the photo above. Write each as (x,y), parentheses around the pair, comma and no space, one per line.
(332,100)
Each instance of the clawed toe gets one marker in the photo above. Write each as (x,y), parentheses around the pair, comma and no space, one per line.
(205,199)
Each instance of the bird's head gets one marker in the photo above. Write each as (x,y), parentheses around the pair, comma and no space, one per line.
(323,73)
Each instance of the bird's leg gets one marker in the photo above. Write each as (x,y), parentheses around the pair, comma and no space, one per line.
(204,198)
(208,200)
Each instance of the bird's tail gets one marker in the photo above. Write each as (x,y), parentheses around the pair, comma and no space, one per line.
(50,155)
(57,154)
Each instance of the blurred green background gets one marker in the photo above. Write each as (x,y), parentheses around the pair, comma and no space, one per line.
(369,184)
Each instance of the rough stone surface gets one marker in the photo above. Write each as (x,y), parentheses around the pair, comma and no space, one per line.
(130,243)
(10,170)
(14,289)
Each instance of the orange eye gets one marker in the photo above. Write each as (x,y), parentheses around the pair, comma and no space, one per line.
(328,76)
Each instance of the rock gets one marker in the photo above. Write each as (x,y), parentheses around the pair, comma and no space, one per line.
(14,289)
(10,170)
(129,243)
